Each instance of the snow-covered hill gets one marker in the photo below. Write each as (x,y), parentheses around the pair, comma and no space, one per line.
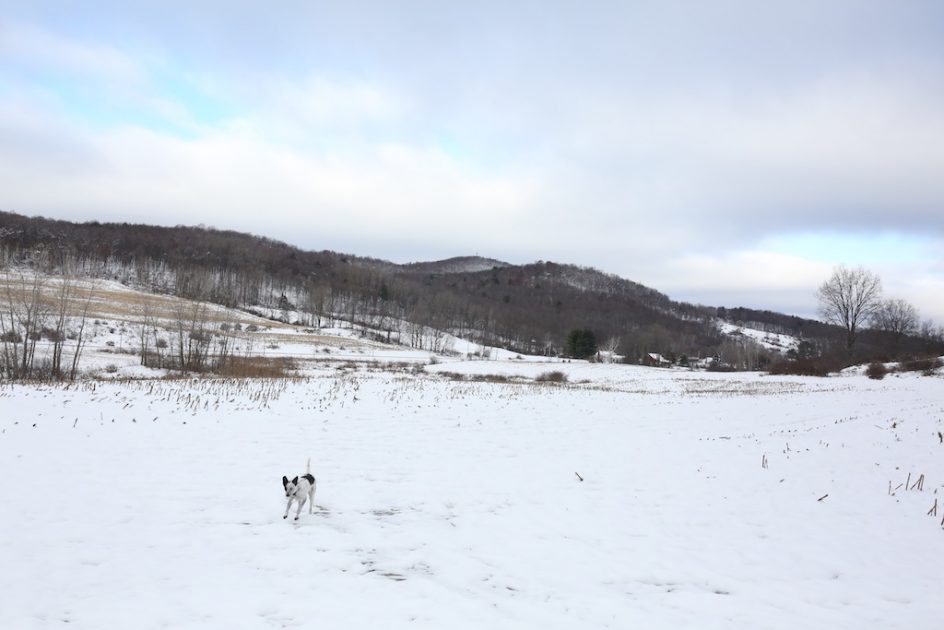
(459,264)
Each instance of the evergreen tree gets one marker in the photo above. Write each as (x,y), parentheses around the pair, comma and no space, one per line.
(580,344)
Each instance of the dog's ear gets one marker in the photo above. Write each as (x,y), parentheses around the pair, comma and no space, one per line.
(284,481)
(295,481)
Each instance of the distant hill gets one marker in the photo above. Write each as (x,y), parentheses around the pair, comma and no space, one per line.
(459,264)
(526,308)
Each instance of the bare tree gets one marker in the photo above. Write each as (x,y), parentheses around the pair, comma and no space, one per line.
(61,315)
(318,297)
(9,342)
(609,348)
(80,340)
(193,337)
(929,333)
(25,316)
(897,317)
(226,342)
(848,299)
(148,325)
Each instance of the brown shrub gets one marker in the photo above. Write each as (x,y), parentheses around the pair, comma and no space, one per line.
(926,364)
(452,376)
(551,377)
(813,366)
(876,370)
(491,378)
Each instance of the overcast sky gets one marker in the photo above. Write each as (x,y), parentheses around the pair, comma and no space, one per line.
(728,153)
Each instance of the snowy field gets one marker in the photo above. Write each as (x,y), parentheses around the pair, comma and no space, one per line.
(449,503)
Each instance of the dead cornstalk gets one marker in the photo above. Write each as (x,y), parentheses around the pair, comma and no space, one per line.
(919,484)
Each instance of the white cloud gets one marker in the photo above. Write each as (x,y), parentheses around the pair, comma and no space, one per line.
(634,138)
(321,101)
(30,46)
(742,271)
(840,154)
(241,180)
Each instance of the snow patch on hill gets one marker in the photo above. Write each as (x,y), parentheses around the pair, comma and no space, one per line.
(460,264)
(771,341)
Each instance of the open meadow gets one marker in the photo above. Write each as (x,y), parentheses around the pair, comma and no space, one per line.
(466,494)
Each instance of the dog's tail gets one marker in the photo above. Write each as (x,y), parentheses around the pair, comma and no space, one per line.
(308,467)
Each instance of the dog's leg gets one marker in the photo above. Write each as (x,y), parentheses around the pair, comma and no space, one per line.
(311,498)
(288,506)
(301,504)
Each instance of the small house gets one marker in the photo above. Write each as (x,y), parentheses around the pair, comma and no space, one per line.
(654,359)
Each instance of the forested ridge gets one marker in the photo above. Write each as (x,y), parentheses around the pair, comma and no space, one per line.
(526,308)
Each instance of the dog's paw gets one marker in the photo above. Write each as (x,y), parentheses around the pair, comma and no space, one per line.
(286,516)
(296,518)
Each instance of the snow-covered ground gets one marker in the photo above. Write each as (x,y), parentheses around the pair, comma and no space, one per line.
(447,503)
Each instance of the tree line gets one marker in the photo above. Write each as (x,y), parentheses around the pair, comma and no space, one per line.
(530,308)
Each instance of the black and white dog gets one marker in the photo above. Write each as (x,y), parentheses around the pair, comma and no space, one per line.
(301,489)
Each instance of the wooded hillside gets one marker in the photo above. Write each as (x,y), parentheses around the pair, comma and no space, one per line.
(527,308)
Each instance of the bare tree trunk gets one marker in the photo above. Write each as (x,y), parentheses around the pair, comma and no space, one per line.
(62,311)
(193,338)
(8,339)
(147,327)
(80,338)
(27,314)
(180,320)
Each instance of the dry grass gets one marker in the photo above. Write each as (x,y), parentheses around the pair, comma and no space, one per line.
(481,378)
(121,305)
(124,304)
(257,367)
